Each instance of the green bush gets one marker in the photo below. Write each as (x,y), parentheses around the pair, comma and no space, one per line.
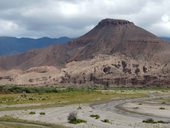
(72,118)
(45,89)
(162,108)
(27,89)
(42,113)
(77,121)
(163,102)
(32,113)
(150,120)
(95,116)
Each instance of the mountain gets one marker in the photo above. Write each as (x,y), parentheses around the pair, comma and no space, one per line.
(108,37)
(115,52)
(112,36)
(12,45)
(165,38)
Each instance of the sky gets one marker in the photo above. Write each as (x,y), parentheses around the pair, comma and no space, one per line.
(72,18)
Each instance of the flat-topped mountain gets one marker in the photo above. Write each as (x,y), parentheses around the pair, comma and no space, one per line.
(112,36)
(122,40)
(114,22)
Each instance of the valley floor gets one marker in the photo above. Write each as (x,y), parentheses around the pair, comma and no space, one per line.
(117,113)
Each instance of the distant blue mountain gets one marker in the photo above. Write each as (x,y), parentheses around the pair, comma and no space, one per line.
(166,38)
(13,45)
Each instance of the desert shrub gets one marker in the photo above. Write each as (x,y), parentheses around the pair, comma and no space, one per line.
(26,89)
(140,104)
(45,89)
(160,121)
(95,116)
(42,113)
(72,118)
(79,108)
(163,103)
(105,121)
(150,120)
(30,98)
(32,113)
(136,108)
(78,121)
(162,108)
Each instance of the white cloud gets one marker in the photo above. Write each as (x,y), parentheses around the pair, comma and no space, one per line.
(8,27)
(165,18)
(162,27)
(73,18)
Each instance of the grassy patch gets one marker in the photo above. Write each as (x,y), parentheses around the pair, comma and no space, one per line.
(42,113)
(165,100)
(66,96)
(6,89)
(162,108)
(95,116)
(11,122)
(32,113)
(151,121)
(69,97)
(77,121)
(140,104)
(4,125)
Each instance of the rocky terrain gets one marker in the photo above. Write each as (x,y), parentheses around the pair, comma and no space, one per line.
(114,53)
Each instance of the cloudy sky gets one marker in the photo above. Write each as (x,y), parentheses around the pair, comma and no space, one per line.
(55,18)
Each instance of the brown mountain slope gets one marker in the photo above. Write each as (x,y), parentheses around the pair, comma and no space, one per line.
(108,37)
(115,52)
(112,36)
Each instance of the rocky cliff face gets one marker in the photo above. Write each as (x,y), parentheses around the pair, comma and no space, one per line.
(115,52)
(116,70)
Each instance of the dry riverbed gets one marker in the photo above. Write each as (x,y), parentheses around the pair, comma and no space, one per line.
(125,113)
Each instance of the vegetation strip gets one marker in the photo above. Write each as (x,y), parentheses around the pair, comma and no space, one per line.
(64,97)
(9,119)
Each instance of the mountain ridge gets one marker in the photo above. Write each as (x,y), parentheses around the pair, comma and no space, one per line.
(108,37)
(165,38)
(13,45)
